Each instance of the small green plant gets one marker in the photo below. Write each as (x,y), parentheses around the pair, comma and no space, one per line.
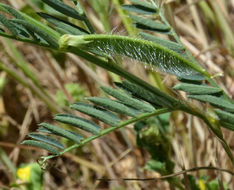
(136,101)
(31,175)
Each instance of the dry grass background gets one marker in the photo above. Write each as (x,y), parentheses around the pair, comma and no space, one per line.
(115,155)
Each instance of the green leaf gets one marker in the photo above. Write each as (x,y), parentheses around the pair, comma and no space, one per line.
(63,8)
(166,43)
(197,89)
(143,4)
(216,101)
(42,145)
(98,113)
(21,16)
(225,117)
(227,125)
(114,106)
(63,26)
(44,130)
(46,139)
(62,132)
(42,27)
(10,10)
(142,50)
(156,166)
(151,25)
(140,9)
(193,79)
(23,39)
(128,100)
(21,30)
(5,22)
(33,29)
(79,122)
(139,92)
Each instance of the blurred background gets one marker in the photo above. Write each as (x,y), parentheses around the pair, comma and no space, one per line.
(37,83)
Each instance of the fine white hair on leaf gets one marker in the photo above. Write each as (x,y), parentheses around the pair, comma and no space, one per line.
(141,50)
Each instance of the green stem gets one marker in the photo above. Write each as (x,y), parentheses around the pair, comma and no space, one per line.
(113,128)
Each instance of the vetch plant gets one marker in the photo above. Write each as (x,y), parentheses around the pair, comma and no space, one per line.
(133,97)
